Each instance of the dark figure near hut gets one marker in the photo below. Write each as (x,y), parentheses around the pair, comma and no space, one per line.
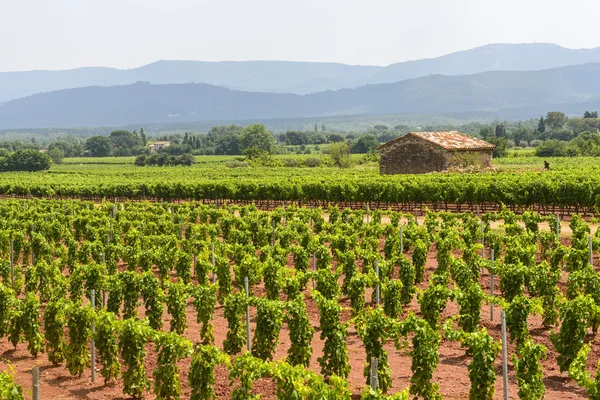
(546,165)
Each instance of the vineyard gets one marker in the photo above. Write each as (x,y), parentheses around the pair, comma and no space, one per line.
(573,185)
(191,301)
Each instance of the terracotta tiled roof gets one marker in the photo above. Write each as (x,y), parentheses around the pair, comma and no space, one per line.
(447,140)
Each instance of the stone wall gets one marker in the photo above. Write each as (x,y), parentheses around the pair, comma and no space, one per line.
(415,156)
(412,156)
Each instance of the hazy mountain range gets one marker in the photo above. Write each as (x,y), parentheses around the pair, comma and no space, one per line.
(508,95)
(508,81)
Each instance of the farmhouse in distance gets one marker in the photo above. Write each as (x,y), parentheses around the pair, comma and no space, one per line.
(424,152)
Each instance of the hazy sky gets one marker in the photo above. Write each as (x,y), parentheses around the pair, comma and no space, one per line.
(60,34)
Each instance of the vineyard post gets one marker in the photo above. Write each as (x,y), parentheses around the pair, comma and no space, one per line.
(368,212)
(401,240)
(314,267)
(273,234)
(374,381)
(591,251)
(180,227)
(504,355)
(492,285)
(93,299)
(32,252)
(212,261)
(482,240)
(377,288)
(247,314)
(172,215)
(103,290)
(557,227)
(35,390)
(12,262)
(194,255)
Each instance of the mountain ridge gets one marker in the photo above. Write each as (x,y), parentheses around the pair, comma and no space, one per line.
(507,93)
(299,77)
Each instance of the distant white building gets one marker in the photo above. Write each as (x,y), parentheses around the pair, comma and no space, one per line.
(155,146)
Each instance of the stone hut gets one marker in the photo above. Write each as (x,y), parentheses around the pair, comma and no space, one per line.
(423,152)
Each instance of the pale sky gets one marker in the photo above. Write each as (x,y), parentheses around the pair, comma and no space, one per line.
(62,34)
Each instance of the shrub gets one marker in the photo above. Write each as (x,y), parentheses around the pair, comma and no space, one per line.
(164,160)
(25,160)
(312,162)
(340,154)
(551,148)
(237,164)
(535,143)
(290,162)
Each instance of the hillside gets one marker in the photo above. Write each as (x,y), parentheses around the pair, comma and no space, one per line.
(298,77)
(508,95)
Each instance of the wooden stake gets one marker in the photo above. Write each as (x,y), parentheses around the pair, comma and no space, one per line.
(93,298)
(374,381)
(247,315)
(504,355)
(35,390)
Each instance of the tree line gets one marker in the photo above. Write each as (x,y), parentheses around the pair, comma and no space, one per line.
(554,127)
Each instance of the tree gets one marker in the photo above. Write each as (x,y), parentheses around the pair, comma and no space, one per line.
(541,126)
(486,132)
(501,146)
(124,139)
(522,134)
(590,114)
(56,155)
(98,146)
(555,120)
(69,148)
(257,136)
(340,154)
(25,160)
(500,131)
(335,138)
(143,137)
(228,144)
(295,138)
(318,138)
(380,129)
(562,134)
(365,144)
